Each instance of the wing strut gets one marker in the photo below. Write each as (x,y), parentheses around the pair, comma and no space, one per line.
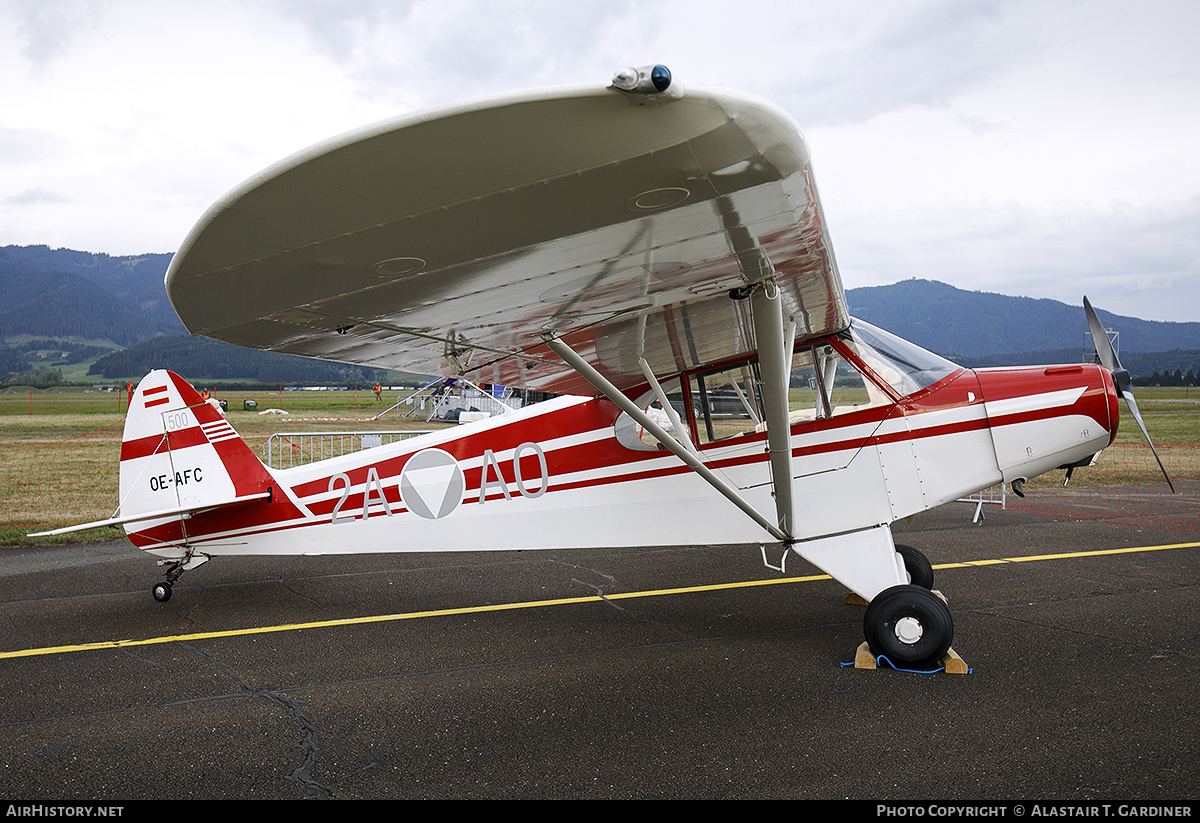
(774,342)
(672,415)
(774,362)
(605,387)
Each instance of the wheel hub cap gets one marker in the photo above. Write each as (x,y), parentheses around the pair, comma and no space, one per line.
(908,630)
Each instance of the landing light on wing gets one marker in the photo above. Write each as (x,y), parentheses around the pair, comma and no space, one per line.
(643,80)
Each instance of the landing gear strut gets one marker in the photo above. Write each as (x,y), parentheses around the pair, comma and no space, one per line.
(175,568)
(920,571)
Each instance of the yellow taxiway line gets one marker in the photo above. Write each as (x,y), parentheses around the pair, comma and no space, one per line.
(532,604)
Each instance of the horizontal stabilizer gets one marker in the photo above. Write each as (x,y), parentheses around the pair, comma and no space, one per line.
(152,515)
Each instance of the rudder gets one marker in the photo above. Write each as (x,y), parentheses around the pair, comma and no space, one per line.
(178,452)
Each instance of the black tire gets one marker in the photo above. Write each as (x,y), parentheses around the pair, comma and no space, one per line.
(161,592)
(920,571)
(908,625)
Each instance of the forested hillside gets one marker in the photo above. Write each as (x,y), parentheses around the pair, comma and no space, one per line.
(136,281)
(72,297)
(202,359)
(958,323)
(60,304)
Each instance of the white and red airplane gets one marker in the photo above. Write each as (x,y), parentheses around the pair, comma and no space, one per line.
(651,253)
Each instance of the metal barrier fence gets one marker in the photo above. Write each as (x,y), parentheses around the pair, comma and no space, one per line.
(431,406)
(285,450)
(995,496)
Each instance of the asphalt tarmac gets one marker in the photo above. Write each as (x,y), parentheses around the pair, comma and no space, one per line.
(631,673)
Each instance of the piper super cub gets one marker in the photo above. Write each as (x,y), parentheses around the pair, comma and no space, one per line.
(657,256)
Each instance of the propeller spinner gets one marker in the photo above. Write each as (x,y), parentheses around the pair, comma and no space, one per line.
(1121,378)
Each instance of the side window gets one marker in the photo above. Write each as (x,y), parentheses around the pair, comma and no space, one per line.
(632,435)
(806,396)
(846,388)
(726,402)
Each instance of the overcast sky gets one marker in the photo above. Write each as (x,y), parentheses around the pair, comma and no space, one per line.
(1043,148)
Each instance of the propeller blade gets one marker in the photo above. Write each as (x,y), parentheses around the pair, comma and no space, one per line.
(1121,378)
(1129,401)
(1104,348)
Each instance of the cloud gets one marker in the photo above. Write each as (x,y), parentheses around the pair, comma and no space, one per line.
(996,144)
(34,197)
(421,53)
(44,31)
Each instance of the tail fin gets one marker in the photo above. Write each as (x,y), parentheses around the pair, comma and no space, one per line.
(179,454)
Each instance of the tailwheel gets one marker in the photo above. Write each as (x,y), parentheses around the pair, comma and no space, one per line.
(909,625)
(175,569)
(920,570)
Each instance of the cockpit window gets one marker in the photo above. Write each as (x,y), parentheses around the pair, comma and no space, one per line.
(907,368)
(845,389)
(727,402)
(718,404)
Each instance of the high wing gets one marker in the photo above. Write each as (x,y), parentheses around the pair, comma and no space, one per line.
(456,242)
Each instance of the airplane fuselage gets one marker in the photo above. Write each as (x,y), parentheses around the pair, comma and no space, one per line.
(558,475)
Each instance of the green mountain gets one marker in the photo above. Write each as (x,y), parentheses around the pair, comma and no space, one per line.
(135,280)
(201,359)
(47,303)
(64,294)
(971,324)
(1162,365)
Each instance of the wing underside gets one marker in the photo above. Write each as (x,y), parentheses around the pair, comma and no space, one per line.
(451,243)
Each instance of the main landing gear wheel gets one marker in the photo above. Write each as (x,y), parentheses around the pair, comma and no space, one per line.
(920,571)
(161,592)
(909,625)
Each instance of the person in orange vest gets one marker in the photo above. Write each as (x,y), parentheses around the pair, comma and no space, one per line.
(379,392)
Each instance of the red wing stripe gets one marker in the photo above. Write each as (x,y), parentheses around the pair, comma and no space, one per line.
(157,401)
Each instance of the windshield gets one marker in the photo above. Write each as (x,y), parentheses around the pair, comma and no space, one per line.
(905,366)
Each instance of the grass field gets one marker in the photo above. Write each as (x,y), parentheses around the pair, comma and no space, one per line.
(59,447)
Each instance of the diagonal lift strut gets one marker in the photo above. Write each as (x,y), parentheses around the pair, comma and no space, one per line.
(605,387)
